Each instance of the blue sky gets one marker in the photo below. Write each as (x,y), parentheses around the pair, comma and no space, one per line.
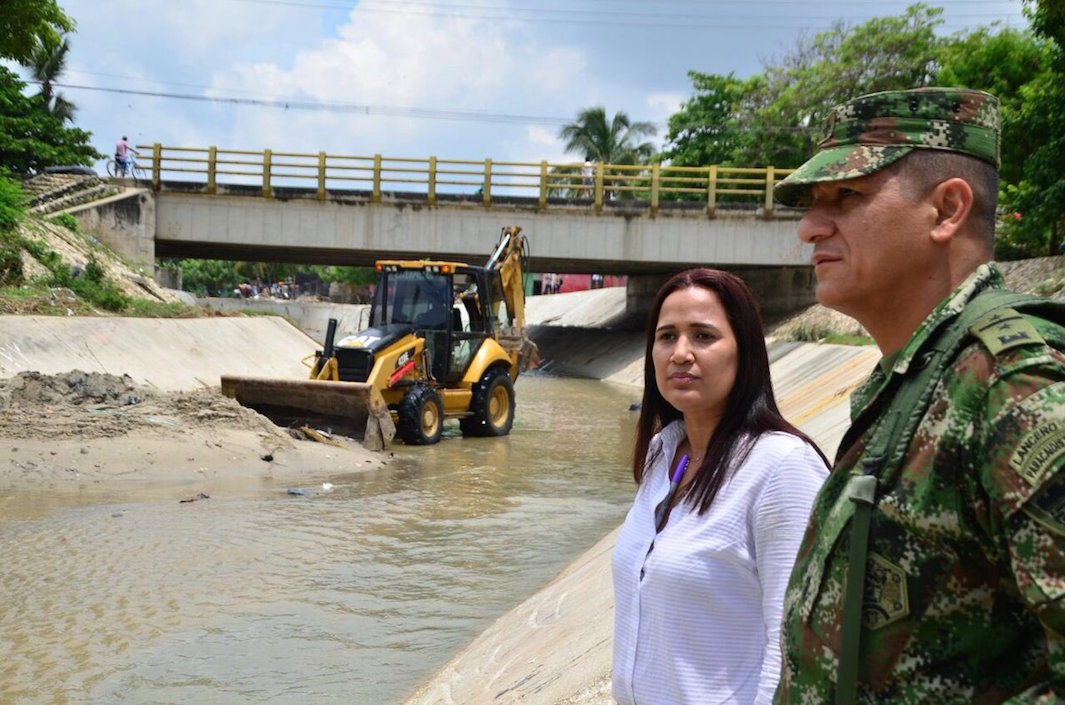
(458,79)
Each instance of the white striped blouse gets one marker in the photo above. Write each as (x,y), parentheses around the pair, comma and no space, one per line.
(697,619)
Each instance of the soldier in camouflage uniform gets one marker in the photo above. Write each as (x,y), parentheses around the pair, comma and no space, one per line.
(964,569)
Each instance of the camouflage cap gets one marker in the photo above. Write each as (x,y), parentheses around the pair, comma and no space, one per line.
(868,133)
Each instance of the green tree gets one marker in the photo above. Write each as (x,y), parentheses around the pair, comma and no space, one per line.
(27,20)
(776,117)
(705,130)
(210,277)
(615,141)
(1037,200)
(346,275)
(216,277)
(1035,203)
(783,123)
(604,141)
(31,138)
(1048,19)
(46,64)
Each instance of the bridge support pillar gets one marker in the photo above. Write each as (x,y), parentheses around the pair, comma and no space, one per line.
(639,295)
(778,290)
(125,223)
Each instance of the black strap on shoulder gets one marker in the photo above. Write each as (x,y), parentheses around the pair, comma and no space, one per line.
(896,428)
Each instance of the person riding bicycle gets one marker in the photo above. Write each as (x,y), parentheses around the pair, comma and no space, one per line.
(122,151)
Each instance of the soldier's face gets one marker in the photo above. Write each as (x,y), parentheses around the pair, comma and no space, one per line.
(868,236)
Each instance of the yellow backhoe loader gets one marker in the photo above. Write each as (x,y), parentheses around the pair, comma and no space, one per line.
(446,340)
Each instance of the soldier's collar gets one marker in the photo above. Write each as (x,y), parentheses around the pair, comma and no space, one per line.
(983,277)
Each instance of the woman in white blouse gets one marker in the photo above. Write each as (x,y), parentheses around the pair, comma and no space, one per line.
(701,563)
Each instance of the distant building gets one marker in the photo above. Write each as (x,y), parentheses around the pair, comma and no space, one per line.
(563,283)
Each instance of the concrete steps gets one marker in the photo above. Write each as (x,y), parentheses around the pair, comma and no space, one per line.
(51,193)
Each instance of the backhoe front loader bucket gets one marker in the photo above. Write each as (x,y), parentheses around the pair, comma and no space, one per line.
(348,408)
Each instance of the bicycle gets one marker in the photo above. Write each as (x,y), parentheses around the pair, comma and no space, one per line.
(131,168)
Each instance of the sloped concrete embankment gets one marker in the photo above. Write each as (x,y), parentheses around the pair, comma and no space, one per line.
(555,648)
(311,317)
(169,354)
(577,332)
(193,353)
(587,334)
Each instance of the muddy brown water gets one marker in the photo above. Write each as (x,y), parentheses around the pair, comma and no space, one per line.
(353,595)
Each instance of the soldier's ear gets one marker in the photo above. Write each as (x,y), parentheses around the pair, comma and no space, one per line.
(953,201)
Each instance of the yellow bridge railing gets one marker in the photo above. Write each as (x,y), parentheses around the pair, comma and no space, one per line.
(641,185)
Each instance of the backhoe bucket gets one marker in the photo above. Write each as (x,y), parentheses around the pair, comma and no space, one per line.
(348,408)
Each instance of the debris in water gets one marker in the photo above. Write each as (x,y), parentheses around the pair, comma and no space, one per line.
(195,497)
(320,436)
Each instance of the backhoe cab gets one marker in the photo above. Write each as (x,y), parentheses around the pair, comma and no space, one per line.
(446,340)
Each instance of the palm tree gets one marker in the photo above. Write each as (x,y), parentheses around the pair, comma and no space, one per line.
(46,63)
(607,142)
(610,142)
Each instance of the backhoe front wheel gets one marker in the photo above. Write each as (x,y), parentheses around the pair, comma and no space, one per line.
(492,405)
(421,416)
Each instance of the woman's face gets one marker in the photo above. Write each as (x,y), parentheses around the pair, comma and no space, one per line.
(695,354)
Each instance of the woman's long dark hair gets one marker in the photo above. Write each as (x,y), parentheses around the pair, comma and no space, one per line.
(751,409)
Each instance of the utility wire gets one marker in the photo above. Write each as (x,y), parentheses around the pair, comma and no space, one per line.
(592,17)
(376,110)
(395,111)
(154,81)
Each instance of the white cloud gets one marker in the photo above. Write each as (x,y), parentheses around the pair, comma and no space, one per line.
(401,58)
(408,72)
(542,136)
(663,105)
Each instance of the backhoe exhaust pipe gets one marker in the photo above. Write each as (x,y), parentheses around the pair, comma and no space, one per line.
(330,335)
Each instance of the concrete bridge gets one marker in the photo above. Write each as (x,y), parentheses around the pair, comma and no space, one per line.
(642,221)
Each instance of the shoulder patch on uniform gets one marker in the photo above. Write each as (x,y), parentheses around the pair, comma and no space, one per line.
(885,598)
(1005,329)
(1047,507)
(1039,450)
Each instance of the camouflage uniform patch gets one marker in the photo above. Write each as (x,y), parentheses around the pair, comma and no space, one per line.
(1040,450)
(885,599)
(1048,508)
(1004,330)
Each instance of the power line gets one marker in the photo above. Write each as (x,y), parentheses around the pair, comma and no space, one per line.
(126,77)
(395,111)
(374,110)
(569,10)
(597,19)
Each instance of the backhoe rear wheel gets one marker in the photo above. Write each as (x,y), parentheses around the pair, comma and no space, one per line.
(421,416)
(492,405)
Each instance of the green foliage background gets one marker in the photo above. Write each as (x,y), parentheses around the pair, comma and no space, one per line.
(27,21)
(775,117)
(220,277)
(12,204)
(31,138)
